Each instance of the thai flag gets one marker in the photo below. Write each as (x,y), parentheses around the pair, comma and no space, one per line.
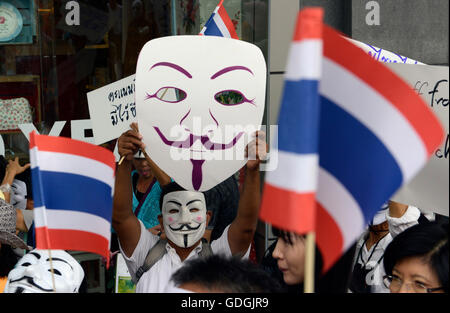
(73,184)
(289,192)
(219,24)
(375,134)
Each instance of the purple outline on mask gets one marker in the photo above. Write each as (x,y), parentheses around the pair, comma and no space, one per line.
(154,95)
(231,68)
(197,173)
(174,66)
(244,98)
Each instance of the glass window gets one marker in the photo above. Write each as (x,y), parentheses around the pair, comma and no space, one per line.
(53,52)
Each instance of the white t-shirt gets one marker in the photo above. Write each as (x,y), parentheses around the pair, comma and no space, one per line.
(157,278)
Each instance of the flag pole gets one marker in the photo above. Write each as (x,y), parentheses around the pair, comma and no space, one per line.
(310,252)
(51,269)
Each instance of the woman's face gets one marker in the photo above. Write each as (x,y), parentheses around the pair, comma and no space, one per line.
(412,275)
(291,258)
(142,167)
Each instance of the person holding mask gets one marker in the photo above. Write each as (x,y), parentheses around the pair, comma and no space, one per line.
(416,261)
(183,218)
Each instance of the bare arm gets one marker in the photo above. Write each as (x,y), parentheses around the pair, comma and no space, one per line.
(12,169)
(162,178)
(124,222)
(397,209)
(242,229)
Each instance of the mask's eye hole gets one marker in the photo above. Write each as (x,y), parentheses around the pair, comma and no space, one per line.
(230,97)
(170,94)
(194,210)
(26,264)
(173,211)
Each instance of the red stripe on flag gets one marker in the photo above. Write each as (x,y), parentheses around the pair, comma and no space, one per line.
(382,79)
(72,146)
(329,238)
(77,240)
(227,21)
(309,24)
(288,210)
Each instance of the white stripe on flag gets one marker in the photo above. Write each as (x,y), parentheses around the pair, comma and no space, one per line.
(73,164)
(221,25)
(305,60)
(393,129)
(342,207)
(72,220)
(295,172)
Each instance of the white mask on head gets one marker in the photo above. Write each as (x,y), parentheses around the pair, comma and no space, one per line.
(184,217)
(32,274)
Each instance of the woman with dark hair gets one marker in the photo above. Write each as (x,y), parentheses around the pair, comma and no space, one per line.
(416,261)
(287,263)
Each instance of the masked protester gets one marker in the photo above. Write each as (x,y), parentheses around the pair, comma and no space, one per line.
(184,219)
(32,274)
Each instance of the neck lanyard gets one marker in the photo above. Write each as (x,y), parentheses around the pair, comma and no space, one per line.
(374,248)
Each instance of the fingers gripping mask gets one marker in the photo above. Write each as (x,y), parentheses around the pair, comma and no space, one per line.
(184,217)
(198,101)
(32,274)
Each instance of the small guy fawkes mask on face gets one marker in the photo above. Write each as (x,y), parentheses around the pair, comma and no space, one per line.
(184,217)
(32,274)
(198,100)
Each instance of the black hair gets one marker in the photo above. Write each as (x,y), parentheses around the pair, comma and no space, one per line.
(218,273)
(335,280)
(428,241)
(286,236)
(170,187)
(8,259)
(3,164)
(25,176)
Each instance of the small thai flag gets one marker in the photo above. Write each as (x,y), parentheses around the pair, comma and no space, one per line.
(73,186)
(219,24)
(374,135)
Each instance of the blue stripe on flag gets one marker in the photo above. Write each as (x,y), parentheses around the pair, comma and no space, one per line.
(212,29)
(299,117)
(72,192)
(357,158)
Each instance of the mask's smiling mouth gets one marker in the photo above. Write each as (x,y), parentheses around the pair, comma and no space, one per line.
(206,142)
(187,226)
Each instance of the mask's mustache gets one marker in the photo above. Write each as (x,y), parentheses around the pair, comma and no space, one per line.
(185,226)
(30,280)
(207,143)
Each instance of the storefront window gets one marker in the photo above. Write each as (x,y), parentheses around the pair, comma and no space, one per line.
(53,52)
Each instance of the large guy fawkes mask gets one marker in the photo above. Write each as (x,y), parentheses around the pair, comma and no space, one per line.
(198,100)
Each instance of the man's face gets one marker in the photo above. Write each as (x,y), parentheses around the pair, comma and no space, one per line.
(184,217)
(198,99)
(32,274)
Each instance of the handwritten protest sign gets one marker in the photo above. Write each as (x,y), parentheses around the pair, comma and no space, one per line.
(112,109)
(429,190)
(383,55)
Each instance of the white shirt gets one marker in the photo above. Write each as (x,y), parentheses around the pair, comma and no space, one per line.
(396,225)
(157,278)
(374,278)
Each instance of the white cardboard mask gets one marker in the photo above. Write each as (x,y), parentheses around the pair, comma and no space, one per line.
(32,274)
(198,101)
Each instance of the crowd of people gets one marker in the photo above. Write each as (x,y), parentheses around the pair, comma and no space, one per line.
(177,240)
